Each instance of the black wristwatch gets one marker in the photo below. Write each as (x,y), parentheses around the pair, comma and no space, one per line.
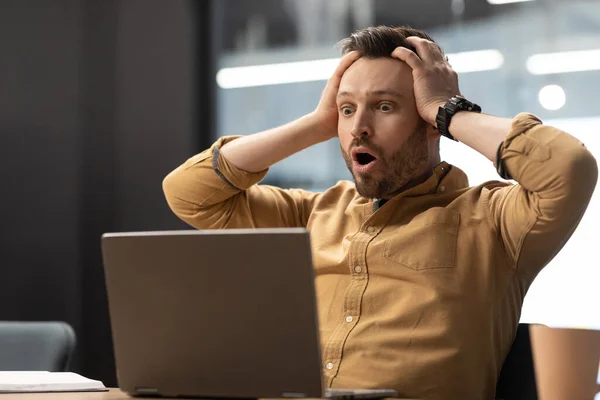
(445,113)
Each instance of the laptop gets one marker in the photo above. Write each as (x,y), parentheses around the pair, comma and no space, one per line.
(218,313)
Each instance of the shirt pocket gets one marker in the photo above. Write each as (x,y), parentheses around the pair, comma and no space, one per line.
(427,242)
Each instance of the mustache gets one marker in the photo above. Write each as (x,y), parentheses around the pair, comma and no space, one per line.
(364,142)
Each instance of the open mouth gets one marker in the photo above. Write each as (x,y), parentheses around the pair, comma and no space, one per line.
(363,156)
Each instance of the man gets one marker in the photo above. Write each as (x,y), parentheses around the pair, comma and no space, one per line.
(420,279)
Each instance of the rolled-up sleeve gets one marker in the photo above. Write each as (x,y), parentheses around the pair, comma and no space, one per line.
(208,192)
(556,176)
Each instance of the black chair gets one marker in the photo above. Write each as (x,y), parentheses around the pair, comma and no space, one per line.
(36,346)
(517,377)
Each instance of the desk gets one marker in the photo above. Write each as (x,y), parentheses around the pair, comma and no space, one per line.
(112,394)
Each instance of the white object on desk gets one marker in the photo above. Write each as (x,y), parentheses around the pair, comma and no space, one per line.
(44,381)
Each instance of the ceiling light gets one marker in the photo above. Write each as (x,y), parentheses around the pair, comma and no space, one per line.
(567,61)
(318,70)
(274,74)
(552,97)
(473,61)
(495,2)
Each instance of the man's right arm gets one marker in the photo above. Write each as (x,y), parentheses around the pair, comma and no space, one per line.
(216,188)
(209,191)
(255,153)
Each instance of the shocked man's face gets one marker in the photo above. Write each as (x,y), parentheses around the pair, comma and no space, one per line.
(385,143)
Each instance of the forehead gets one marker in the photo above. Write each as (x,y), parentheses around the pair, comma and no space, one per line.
(370,74)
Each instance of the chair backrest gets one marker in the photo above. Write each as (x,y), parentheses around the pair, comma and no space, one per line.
(517,378)
(36,346)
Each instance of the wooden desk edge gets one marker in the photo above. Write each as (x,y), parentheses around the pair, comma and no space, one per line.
(111,394)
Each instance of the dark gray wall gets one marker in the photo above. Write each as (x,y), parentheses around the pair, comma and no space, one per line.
(97,105)
(155,85)
(40,169)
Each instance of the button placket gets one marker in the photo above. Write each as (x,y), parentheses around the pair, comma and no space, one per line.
(354,294)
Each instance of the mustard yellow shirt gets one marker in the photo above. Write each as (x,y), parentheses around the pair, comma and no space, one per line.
(424,293)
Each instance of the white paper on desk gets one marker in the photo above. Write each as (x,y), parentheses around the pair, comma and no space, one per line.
(44,381)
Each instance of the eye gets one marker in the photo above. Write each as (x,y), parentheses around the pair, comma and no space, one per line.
(346,110)
(386,107)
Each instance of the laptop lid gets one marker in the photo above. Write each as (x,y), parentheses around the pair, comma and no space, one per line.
(227,313)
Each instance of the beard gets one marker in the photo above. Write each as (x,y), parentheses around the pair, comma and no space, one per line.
(396,171)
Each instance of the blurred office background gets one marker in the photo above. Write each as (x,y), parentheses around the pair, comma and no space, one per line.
(100,99)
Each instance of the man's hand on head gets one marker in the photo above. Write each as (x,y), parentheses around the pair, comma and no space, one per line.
(435,82)
(326,112)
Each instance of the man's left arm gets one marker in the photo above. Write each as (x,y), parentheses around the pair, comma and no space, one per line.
(556,174)
(556,177)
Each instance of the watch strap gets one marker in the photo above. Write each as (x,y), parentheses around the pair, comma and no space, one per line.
(445,113)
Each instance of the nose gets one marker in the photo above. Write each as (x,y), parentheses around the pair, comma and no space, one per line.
(361,126)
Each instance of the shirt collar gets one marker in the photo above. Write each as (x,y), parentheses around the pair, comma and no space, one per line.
(445,178)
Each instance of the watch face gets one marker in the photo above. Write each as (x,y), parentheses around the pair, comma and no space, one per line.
(463,103)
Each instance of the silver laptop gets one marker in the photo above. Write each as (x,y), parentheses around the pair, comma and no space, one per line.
(219,313)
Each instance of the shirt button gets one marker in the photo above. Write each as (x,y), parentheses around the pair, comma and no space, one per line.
(358,269)
(329,366)
(349,318)
(370,229)
(442,188)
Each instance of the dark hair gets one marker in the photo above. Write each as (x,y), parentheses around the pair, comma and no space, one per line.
(380,41)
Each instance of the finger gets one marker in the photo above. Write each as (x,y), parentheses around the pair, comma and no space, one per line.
(408,56)
(437,52)
(333,83)
(346,61)
(426,49)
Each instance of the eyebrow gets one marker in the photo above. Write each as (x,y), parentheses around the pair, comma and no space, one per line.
(379,92)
